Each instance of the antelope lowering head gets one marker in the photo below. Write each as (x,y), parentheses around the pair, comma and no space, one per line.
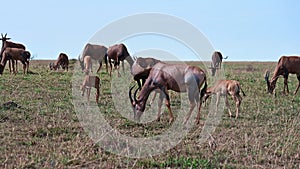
(271,84)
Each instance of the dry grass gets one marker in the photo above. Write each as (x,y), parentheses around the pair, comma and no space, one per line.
(46,133)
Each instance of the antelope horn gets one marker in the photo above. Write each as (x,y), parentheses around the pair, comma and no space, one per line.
(267,76)
(134,96)
(5,35)
(131,100)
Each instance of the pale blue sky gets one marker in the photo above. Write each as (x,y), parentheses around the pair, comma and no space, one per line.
(243,30)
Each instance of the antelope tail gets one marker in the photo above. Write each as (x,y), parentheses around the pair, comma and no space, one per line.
(242,91)
(203,90)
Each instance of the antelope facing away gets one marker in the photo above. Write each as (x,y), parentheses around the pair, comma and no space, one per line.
(88,83)
(224,88)
(216,61)
(285,65)
(118,53)
(179,78)
(96,52)
(62,61)
(87,62)
(15,54)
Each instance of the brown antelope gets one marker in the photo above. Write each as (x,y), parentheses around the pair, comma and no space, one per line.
(118,53)
(88,83)
(96,52)
(15,54)
(62,61)
(216,61)
(140,71)
(9,44)
(224,88)
(285,65)
(179,78)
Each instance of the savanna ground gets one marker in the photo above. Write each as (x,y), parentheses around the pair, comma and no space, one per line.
(45,131)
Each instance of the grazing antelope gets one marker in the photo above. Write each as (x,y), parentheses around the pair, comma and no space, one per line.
(118,53)
(96,52)
(9,44)
(140,71)
(224,88)
(88,83)
(179,78)
(285,65)
(15,54)
(216,61)
(62,61)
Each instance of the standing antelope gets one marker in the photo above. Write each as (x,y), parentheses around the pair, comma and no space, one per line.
(8,44)
(285,65)
(96,52)
(88,83)
(118,53)
(179,78)
(15,54)
(224,88)
(216,61)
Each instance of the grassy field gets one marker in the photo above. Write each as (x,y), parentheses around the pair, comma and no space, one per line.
(45,131)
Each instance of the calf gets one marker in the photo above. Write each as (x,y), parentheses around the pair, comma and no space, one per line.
(224,88)
(88,83)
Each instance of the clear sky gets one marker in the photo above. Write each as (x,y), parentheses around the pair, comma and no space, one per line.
(254,30)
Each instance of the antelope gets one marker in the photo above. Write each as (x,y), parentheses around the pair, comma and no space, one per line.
(62,61)
(224,88)
(88,83)
(216,61)
(118,53)
(285,65)
(15,54)
(179,78)
(87,62)
(96,52)
(6,44)
(140,71)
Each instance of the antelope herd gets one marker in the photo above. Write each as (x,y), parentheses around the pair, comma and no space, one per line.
(155,75)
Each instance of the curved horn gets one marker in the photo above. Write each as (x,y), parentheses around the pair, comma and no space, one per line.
(267,76)
(134,96)
(225,57)
(129,93)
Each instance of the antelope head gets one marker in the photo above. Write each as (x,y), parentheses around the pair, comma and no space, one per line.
(81,62)
(4,38)
(51,66)
(137,105)
(270,85)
